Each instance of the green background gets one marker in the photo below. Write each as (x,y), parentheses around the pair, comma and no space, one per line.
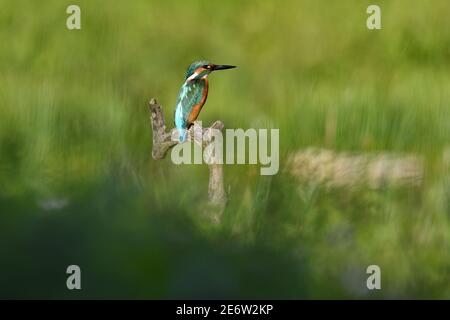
(78,184)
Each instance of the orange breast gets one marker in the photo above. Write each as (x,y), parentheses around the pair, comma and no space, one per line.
(198,107)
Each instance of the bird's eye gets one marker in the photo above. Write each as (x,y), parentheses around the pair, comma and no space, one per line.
(207,66)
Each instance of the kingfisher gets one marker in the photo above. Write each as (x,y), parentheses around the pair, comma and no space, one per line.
(193,94)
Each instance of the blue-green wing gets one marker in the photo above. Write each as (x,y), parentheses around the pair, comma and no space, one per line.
(189,96)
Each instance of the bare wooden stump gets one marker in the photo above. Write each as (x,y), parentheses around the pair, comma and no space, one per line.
(163,141)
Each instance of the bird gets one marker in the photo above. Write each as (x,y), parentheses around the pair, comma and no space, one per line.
(193,94)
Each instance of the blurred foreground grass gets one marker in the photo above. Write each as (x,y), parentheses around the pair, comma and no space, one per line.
(78,185)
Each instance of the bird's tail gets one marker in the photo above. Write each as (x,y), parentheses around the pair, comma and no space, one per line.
(183,134)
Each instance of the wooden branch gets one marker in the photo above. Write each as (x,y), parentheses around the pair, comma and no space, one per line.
(162,142)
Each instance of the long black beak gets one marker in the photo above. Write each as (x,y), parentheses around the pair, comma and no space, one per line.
(222,67)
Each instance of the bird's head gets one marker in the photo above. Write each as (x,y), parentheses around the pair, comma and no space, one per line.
(201,69)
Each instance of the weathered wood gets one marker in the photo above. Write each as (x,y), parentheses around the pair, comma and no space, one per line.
(162,142)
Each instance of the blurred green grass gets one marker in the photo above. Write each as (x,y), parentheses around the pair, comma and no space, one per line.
(74,126)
